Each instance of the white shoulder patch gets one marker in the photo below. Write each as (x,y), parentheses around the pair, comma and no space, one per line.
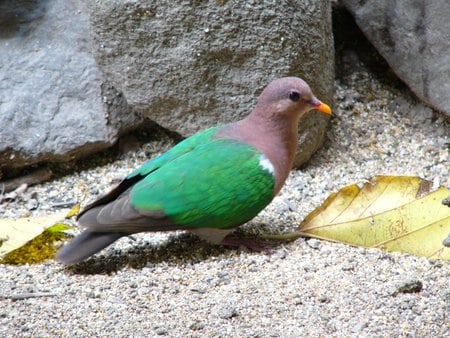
(265,163)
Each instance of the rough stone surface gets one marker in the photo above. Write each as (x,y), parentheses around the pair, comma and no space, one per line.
(54,103)
(414,38)
(202,63)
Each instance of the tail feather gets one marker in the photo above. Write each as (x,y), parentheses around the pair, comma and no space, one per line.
(85,245)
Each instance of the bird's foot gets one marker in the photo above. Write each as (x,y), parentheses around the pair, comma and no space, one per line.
(252,244)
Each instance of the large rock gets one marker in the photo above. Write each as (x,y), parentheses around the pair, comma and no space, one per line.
(54,104)
(192,64)
(414,38)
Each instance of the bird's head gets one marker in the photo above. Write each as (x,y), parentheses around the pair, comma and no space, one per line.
(288,97)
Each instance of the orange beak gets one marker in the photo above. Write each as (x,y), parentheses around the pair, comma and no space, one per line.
(319,105)
(323,107)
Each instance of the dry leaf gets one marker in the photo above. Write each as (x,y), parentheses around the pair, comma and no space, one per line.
(75,210)
(17,235)
(394,213)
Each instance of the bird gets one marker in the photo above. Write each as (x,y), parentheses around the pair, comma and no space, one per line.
(210,183)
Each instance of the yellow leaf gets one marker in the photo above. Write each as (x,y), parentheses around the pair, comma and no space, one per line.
(394,213)
(75,210)
(15,233)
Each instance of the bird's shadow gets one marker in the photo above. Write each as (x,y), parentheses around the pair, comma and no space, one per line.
(177,249)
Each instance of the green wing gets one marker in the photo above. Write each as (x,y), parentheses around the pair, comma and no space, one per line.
(148,167)
(216,183)
(181,148)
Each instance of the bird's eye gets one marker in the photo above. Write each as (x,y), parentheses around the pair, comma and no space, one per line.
(294,96)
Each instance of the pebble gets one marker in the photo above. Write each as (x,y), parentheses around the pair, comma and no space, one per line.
(359,327)
(197,325)
(227,312)
(313,243)
(161,331)
(409,286)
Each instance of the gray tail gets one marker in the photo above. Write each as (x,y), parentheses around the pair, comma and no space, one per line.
(85,245)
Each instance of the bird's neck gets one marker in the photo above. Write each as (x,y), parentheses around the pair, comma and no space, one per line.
(276,139)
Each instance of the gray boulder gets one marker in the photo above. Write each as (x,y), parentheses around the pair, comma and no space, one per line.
(414,38)
(191,64)
(186,66)
(54,103)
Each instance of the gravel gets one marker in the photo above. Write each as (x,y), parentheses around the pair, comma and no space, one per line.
(176,285)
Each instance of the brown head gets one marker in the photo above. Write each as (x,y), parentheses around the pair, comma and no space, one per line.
(272,125)
(287,98)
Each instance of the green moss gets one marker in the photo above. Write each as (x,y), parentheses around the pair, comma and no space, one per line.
(40,248)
